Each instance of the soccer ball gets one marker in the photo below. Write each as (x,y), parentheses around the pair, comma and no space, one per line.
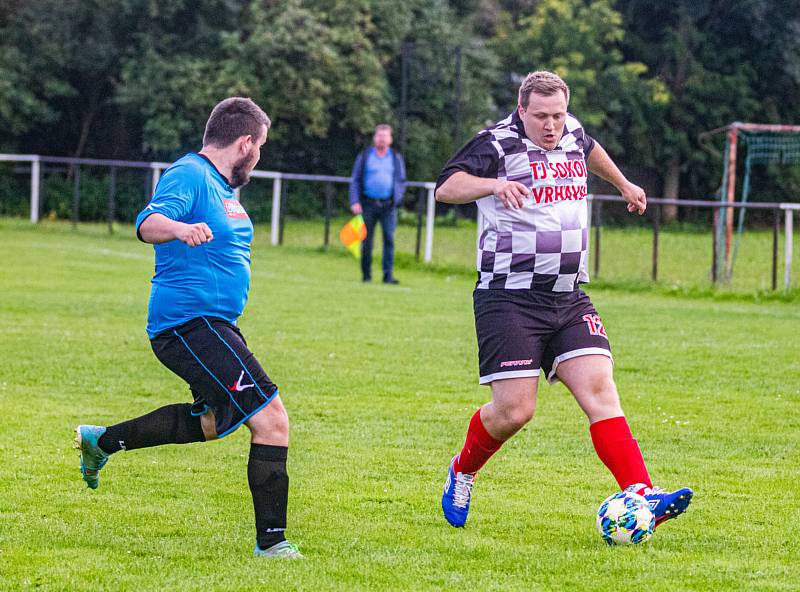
(624,518)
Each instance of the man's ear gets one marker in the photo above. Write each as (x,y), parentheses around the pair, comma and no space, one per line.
(243,141)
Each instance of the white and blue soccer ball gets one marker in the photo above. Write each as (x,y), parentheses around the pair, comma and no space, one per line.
(624,518)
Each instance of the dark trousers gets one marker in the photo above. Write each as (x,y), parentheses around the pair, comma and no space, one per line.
(385,212)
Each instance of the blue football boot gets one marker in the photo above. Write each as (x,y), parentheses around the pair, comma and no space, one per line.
(664,504)
(457,495)
(92,457)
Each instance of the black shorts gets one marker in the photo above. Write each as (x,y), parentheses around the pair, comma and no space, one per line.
(223,375)
(521,331)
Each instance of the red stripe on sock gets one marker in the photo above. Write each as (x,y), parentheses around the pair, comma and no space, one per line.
(478,447)
(619,451)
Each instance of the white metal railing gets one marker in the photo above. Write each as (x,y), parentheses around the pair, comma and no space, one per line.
(430,210)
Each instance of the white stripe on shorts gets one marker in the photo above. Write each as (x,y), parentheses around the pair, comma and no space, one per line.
(509,374)
(575,353)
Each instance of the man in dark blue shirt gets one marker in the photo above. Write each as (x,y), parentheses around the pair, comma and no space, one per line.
(201,235)
(377,186)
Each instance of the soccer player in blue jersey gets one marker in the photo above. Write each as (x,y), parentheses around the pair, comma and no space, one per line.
(201,236)
(528,176)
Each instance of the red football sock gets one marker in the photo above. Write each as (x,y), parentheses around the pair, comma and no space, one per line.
(619,451)
(478,448)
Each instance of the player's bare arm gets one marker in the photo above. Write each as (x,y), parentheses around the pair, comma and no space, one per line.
(157,229)
(600,163)
(463,188)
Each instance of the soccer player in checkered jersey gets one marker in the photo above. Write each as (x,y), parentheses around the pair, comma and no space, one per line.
(201,235)
(528,174)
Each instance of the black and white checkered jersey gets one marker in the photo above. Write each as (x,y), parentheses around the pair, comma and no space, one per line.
(543,245)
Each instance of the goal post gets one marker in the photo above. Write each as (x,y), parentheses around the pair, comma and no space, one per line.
(760,144)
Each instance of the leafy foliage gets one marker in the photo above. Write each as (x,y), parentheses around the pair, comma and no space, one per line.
(137,78)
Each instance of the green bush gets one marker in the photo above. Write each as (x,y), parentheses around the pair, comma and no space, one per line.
(130,195)
(14,193)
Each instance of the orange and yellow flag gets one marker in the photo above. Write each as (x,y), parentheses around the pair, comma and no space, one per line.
(352,234)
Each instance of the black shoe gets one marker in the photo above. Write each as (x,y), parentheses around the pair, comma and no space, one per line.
(390,280)
(366,280)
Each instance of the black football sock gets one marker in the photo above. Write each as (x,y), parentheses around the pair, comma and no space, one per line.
(269,485)
(172,424)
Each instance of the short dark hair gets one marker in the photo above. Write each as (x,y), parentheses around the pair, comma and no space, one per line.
(542,83)
(383,127)
(233,118)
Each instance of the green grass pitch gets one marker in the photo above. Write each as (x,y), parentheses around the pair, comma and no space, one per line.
(380,383)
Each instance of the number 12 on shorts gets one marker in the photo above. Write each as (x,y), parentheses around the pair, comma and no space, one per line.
(595,325)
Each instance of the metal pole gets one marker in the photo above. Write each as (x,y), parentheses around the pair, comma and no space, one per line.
(598,209)
(112,189)
(457,114)
(430,216)
(714,253)
(787,250)
(731,196)
(328,208)
(776,229)
(420,214)
(76,197)
(148,189)
(405,57)
(36,179)
(156,177)
(276,211)
(282,223)
(656,227)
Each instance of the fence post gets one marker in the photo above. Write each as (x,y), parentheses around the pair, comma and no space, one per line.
(155,179)
(714,243)
(429,219)
(422,194)
(282,221)
(597,210)
(36,179)
(112,190)
(328,208)
(76,197)
(148,190)
(776,228)
(276,211)
(656,228)
(787,251)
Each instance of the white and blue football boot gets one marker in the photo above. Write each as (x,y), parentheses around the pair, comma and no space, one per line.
(665,505)
(92,457)
(457,495)
(282,550)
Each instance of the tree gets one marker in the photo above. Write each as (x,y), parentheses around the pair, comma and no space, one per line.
(59,65)
(721,62)
(450,74)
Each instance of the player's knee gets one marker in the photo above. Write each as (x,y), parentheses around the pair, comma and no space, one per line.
(604,398)
(518,416)
(271,421)
(603,390)
(280,422)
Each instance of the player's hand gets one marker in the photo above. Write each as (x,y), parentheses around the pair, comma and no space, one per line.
(356,209)
(195,234)
(635,198)
(511,193)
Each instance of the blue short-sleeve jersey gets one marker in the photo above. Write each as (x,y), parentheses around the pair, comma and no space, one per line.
(212,279)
